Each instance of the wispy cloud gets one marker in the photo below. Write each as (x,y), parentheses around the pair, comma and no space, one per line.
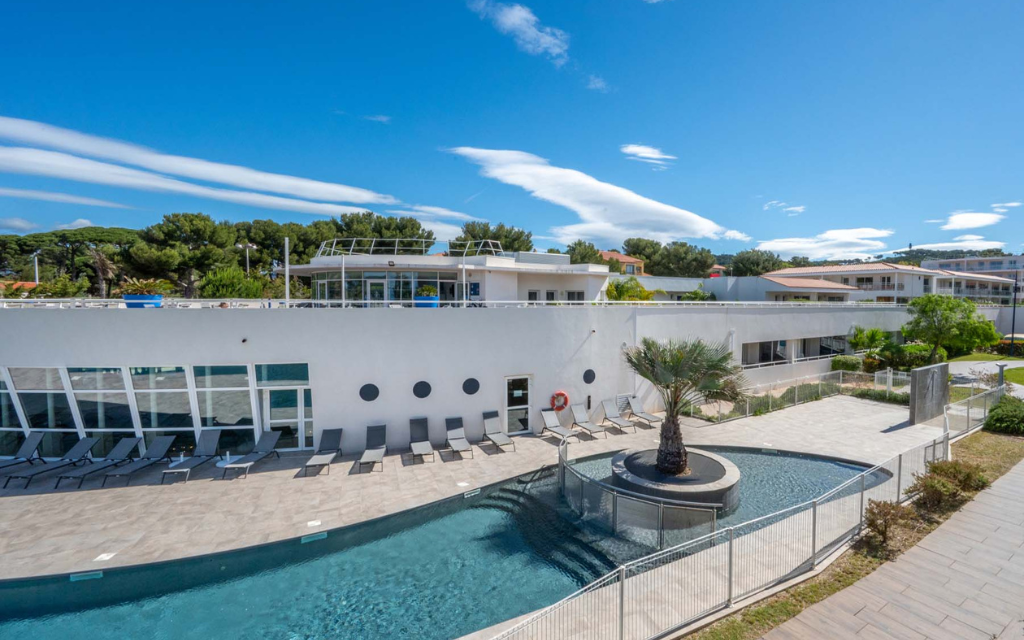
(43,135)
(378,118)
(426,211)
(607,212)
(16,224)
(971,220)
(648,154)
(795,211)
(50,196)
(963,243)
(75,224)
(54,164)
(785,207)
(597,83)
(1008,204)
(525,28)
(969,237)
(834,244)
(935,221)
(772,204)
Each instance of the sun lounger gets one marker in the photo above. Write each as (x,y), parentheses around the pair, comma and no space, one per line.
(326,452)
(79,454)
(456,439)
(28,452)
(120,454)
(206,450)
(493,432)
(552,424)
(636,409)
(266,446)
(376,447)
(419,439)
(582,420)
(611,414)
(155,452)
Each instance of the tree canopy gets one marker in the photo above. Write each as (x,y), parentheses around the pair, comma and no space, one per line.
(682,260)
(511,238)
(951,323)
(755,262)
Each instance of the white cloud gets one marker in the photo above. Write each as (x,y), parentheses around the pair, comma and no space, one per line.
(16,224)
(772,204)
(607,212)
(834,244)
(935,221)
(426,211)
(50,196)
(597,83)
(795,210)
(1008,204)
(75,224)
(530,36)
(645,153)
(964,243)
(44,135)
(732,234)
(53,164)
(971,220)
(378,118)
(1000,210)
(969,237)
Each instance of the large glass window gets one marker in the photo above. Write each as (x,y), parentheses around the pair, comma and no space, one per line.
(167,410)
(106,441)
(104,410)
(8,415)
(47,410)
(282,375)
(225,408)
(222,377)
(57,443)
(36,379)
(184,441)
(10,441)
(96,378)
(159,378)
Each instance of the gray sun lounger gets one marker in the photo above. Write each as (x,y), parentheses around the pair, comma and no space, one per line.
(419,439)
(376,447)
(326,452)
(28,452)
(266,446)
(120,454)
(206,450)
(582,420)
(456,438)
(636,409)
(611,414)
(79,454)
(493,432)
(552,424)
(155,452)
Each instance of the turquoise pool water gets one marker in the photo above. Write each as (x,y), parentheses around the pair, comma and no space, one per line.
(441,571)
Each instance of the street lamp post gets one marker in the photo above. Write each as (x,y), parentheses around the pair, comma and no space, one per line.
(246,246)
(35,263)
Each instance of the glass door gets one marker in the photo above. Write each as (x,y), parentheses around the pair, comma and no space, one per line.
(517,404)
(289,411)
(376,292)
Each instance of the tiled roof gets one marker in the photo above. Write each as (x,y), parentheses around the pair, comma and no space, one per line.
(808,283)
(624,259)
(852,268)
(988,277)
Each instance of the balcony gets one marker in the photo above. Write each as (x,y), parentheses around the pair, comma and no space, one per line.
(883,286)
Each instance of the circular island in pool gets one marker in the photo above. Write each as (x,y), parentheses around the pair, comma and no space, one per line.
(712,479)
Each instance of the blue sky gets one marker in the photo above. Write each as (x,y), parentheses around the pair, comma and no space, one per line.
(813,128)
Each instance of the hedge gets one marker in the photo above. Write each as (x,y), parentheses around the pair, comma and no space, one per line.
(1007,416)
(846,363)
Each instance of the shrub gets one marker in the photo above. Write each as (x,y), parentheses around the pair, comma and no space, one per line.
(1007,416)
(231,282)
(933,492)
(846,363)
(966,476)
(426,291)
(913,356)
(882,517)
(880,395)
(872,365)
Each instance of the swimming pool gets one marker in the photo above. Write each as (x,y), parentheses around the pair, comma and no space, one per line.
(440,571)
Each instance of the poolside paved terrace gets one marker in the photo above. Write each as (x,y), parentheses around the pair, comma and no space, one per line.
(45,531)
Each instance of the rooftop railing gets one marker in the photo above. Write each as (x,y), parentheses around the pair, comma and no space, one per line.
(407,246)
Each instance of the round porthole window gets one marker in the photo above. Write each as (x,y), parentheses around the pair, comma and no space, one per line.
(471,386)
(589,376)
(421,389)
(369,392)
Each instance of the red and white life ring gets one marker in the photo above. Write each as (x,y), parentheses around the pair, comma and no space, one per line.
(560,400)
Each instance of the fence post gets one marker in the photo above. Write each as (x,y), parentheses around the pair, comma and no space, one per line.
(888,381)
(661,525)
(748,407)
(899,479)
(730,565)
(771,392)
(796,393)
(862,483)
(945,447)
(622,602)
(969,409)
(615,513)
(820,394)
(814,534)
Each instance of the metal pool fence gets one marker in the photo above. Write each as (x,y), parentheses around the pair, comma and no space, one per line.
(764,398)
(672,588)
(970,414)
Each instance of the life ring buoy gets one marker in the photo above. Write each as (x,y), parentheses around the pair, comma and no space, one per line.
(560,400)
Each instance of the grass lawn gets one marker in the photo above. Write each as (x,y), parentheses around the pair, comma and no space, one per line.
(978,356)
(1015,376)
(996,453)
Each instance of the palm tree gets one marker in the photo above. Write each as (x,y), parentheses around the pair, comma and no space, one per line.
(683,372)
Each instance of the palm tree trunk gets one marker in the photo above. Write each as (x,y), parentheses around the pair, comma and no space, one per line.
(672,455)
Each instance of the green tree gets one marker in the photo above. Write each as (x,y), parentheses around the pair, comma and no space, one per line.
(182,248)
(511,238)
(231,282)
(755,262)
(623,289)
(684,372)
(799,261)
(948,322)
(61,287)
(583,252)
(869,339)
(642,248)
(681,260)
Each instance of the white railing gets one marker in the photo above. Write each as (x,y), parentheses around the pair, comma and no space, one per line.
(776,363)
(969,415)
(671,589)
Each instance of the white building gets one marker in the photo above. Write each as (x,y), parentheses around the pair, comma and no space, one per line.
(1003,266)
